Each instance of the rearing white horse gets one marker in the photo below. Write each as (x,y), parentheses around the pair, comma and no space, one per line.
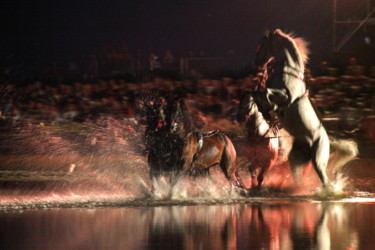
(283,59)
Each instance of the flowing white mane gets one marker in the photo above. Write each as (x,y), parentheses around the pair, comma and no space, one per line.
(300,44)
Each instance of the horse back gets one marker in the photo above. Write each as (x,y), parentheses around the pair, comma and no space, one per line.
(214,149)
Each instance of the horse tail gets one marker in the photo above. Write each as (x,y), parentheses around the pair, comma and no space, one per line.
(228,162)
(342,152)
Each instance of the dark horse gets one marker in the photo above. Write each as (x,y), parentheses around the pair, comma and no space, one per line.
(202,150)
(263,139)
(164,149)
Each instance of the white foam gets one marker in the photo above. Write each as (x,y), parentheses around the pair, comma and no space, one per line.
(186,188)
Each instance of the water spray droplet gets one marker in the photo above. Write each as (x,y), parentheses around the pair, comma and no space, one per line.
(71,168)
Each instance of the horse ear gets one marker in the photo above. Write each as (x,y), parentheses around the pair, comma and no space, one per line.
(277,32)
(176,96)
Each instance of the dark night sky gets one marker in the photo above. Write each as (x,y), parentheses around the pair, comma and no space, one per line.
(47,31)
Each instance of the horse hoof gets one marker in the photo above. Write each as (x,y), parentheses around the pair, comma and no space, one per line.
(250,192)
(328,190)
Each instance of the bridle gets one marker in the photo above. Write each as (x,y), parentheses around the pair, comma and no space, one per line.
(266,66)
(269,67)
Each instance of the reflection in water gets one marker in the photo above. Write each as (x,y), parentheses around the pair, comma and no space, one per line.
(275,225)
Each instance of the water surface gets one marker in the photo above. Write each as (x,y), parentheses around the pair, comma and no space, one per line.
(348,224)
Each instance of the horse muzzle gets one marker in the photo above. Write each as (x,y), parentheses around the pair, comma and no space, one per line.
(174,128)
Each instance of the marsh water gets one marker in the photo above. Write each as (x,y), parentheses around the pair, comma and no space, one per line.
(348,224)
(213,219)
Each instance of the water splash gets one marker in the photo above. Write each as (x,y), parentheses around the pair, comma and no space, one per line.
(104,162)
(65,163)
(186,188)
(341,183)
(338,188)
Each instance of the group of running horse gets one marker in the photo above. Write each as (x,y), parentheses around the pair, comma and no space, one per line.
(174,146)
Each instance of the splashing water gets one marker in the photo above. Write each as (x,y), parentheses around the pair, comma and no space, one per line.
(339,188)
(78,162)
(104,162)
(341,183)
(185,188)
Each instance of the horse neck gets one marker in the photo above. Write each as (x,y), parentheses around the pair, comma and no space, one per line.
(183,129)
(288,61)
(182,134)
(256,124)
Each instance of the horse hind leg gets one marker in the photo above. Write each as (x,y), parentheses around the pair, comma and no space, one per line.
(228,164)
(299,157)
(320,157)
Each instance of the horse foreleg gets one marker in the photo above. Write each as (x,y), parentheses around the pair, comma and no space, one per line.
(188,152)
(269,161)
(155,165)
(261,176)
(320,157)
(277,97)
(254,170)
(228,164)
(257,175)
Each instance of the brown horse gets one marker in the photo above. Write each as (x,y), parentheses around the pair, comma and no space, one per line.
(202,150)
(262,146)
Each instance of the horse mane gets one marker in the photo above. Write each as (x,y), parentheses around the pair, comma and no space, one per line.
(182,111)
(300,45)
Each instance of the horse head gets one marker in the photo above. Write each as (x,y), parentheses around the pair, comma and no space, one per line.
(264,52)
(156,119)
(278,47)
(180,122)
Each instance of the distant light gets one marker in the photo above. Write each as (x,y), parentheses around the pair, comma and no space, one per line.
(367,40)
